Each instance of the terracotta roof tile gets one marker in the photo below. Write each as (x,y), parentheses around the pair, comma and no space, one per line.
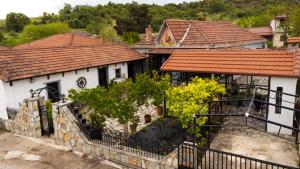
(293,39)
(210,33)
(3,47)
(262,31)
(62,40)
(25,63)
(249,62)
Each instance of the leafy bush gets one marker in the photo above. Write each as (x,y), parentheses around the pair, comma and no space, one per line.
(146,87)
(131,37)
(34,32)
(185,101)
(16,21)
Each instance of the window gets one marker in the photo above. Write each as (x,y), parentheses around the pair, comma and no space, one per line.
(118,73)
(282,38)
(278,100)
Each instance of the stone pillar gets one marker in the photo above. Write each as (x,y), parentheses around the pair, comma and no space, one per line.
(27,120)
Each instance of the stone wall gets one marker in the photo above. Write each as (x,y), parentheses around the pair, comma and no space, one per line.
(27,120)
(68,133)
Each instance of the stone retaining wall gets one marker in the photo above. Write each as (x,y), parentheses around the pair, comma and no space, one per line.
(68,133)
(27,120)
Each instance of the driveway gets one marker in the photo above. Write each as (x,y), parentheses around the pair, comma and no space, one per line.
(18,152)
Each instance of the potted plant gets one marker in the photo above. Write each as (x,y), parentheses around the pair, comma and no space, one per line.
(134,124)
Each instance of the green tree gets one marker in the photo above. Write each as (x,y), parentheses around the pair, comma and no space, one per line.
(130,37)
(34,32)
(2,38)
(108,33)
(138,19)
(295,21)
(185,101)
(16,21)
(65,13)
(49,18)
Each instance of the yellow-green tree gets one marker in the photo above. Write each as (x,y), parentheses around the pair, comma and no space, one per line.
(185,101)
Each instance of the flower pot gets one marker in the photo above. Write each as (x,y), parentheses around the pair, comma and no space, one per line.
(159,110)
(133,128)
(147,118)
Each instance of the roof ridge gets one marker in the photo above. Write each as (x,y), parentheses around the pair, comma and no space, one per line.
(200,31)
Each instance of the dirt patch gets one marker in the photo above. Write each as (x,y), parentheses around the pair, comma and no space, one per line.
(253,143)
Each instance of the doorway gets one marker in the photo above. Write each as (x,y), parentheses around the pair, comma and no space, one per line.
(102,74)
(53,91)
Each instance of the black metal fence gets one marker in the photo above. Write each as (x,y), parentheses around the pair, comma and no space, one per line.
(193,157)
(148,147)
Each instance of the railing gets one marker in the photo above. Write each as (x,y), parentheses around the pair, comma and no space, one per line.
(192,157)
(151,148)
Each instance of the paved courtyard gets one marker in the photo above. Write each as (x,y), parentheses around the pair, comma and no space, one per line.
(17,152)
(253,143)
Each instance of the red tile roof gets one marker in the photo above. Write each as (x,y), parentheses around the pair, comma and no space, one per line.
(62,40)
(207,34)
(211,33)
(3,47)
(26,63)
(262,31)
(248,62)
(293,39)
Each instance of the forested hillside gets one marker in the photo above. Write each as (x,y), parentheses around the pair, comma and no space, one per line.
(125,21)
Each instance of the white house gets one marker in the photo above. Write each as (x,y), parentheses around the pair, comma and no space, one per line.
(280,67)
(61,69)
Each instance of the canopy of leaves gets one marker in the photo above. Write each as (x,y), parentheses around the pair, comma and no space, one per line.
(185,101)
(120,100)
(131,37)
(34,32)
(295,21)
(16,21)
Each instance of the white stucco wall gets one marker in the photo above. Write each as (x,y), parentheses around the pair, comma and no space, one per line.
(286,116)
(2,102)
(255,46)
(112,74)
(12,96)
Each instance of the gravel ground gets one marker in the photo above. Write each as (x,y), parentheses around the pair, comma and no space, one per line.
(18,152)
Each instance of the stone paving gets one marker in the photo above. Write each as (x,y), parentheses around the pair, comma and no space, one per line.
(19,152)
(256,144)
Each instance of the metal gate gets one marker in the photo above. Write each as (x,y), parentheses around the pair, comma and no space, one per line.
(43,119)
(192,157)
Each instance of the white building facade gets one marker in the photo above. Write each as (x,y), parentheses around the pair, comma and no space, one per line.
(13,93)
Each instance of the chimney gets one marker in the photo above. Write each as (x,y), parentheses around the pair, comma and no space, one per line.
(148,34)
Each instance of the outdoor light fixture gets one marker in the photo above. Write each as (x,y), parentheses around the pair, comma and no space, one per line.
(63,98)
(32,92)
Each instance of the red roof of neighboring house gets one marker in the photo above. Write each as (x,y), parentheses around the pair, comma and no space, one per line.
(262,31)
(293,39)
(62,40)
(238,62)
(207,34)
(25,63)
(210,33)
(3,47)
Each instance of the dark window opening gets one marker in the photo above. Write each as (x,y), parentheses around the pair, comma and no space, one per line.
(278,100)
(118,73)
(282,38)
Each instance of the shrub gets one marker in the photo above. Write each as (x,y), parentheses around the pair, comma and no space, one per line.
(185,101)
